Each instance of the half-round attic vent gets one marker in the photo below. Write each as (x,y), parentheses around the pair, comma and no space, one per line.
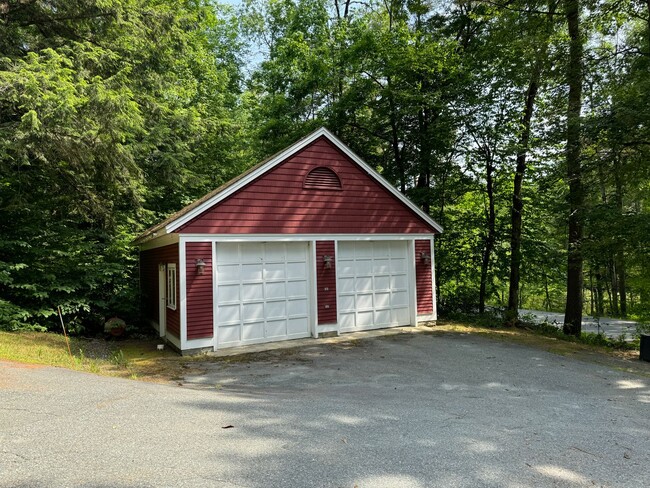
(322,178)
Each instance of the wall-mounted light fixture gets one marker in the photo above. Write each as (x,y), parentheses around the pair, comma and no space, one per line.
(200,266)
(327,261)
(425,257)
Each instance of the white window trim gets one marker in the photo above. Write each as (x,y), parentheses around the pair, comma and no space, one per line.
(172,286)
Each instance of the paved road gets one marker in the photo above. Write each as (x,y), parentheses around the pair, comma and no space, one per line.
(418,411)
(610,327)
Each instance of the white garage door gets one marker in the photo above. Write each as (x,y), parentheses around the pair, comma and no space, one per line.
(372,285)
(262,292)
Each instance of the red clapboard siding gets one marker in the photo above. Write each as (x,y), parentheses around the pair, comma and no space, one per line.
(423,283)
(149,261)
(277,202)
(326,283)
(199,290)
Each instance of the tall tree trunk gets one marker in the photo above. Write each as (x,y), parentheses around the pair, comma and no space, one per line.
(490,237)
(614,293)
(512,312)
(600,297)
(619,259)
(573,310)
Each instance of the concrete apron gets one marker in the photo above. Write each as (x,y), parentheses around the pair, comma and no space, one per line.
(311,341)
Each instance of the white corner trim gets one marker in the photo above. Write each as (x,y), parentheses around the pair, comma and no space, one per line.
(214,296)
(183,292)
(434,302)
(280,157)
(313,290)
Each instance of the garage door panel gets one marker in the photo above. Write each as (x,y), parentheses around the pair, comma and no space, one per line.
(228,273)
(296,252)
(229,334)
(380,296)
(250,272)
(382,283)
(252,312)
(381,266)
(228,253)
(251,291)
(399,299)
(297,270)
(253,331)
(398,265)
(275,271)
(398,282)
(381,249)
(382,300)
(275,310)
(296,289)
(364,301)
(297,308)
(363,284)
(262,292)
(275,252)
(251,253)
(229,314)
(345,268)
(275,290)
(346,285)
(296,326)
(365,319)
(228,294)
(347,321)
(401,315)
(347,303)
(382,318)
(276,328)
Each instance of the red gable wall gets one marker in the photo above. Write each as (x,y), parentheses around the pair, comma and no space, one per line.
(276,202)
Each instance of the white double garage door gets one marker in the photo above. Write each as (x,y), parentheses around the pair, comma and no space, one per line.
(264,289)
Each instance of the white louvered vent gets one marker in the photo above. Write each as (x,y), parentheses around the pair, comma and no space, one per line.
(322,178)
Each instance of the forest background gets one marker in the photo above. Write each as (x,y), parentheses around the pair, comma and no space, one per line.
(522,127)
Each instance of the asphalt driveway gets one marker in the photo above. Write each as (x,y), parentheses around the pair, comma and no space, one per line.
(401,411)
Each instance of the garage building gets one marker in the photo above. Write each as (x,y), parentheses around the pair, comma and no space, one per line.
(310,241)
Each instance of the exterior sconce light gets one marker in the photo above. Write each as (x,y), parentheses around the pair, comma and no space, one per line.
(425,257)
(200,266)
(327,261)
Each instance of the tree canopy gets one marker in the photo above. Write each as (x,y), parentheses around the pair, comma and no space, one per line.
(521,127)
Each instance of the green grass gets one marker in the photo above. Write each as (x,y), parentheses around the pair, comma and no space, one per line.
(128,359)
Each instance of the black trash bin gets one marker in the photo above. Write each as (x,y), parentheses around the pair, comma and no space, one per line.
(645,347)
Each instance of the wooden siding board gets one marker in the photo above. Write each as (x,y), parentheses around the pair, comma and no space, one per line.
(423,278)
(276,202)
(149,261)
(326,283)
(199,292)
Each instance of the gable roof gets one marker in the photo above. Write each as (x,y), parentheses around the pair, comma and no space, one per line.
(204,203)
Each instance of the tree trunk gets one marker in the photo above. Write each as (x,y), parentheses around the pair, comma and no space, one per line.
(619,259)
(614,293)
(490,237)
(573,310)
(512,312)
(600,297)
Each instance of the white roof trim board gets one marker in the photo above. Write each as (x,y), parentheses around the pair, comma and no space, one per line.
(277,159)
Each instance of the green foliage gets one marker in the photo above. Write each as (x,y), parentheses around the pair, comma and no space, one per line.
(112,114)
